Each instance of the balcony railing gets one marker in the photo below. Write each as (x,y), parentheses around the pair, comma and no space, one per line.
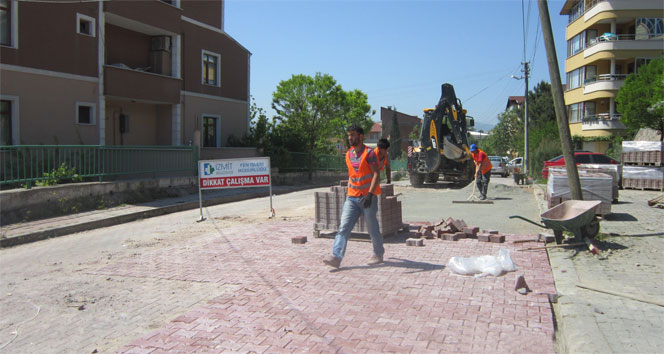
(600,116)
(605,77)
(581,8)
(610,37)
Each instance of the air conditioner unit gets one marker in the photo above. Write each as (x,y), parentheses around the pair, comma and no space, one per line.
(161,43)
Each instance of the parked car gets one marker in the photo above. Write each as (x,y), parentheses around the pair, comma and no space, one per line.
(515,164)
(581,157)
(499,165)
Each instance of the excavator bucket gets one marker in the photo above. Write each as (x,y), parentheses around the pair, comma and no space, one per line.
(451,151)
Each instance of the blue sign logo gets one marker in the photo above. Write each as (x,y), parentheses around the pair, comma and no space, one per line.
(208,169)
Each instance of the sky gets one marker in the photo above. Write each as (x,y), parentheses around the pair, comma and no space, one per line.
(399,52)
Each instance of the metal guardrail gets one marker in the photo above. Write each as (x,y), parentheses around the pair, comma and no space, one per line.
(27,164)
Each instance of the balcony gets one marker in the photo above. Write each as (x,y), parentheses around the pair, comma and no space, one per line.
(610,42)
(123,82)
(144,16)
(604,82)
(602,121)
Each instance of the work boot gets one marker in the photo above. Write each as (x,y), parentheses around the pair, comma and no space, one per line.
(333,262)
(482,197)
(375,260)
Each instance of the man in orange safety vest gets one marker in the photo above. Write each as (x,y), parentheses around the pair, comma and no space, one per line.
(363,189)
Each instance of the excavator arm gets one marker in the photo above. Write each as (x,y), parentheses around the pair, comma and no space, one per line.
(444,130)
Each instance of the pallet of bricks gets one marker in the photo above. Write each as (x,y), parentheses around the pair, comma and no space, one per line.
(615,171)
(329,206)
(643,163)
(594,186)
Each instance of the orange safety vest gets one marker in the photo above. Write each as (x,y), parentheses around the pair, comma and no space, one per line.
(360,181)
(484,165)
(381,164)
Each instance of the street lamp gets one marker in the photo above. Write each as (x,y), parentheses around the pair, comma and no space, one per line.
(525,70)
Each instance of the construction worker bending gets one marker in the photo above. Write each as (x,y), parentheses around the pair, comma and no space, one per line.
(363,186)
(384,158)
(482,170)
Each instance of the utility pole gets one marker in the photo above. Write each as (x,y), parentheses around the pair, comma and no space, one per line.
(526,162)
(559,103)
(526,71)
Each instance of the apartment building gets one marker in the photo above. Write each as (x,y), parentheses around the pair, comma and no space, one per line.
(133,72)
(606,41)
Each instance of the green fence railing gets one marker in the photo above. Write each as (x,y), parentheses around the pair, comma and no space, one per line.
(27,164)
(299,161)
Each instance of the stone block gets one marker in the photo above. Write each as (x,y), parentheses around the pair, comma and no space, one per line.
(495,238)
(484,237)
(300,240)
(471,231)
(415,242)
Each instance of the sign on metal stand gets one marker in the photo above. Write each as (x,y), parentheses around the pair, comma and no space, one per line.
(233,173)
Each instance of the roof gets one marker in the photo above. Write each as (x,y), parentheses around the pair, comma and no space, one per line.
(376,128)
(514,100)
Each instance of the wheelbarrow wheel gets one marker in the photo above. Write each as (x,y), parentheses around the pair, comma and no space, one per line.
(559,236)
(592,229)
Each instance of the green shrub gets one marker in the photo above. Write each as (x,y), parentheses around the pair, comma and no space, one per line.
(546,150)
(59,175)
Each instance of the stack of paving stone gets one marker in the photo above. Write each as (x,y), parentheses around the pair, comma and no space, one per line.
(329,206)
(594,186)
(642,153)
(615,171)
(643,165)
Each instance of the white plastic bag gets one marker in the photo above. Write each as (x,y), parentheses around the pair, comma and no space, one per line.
(483,265)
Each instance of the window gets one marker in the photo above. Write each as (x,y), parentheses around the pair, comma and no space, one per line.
(576,11)
(5,23)
(211,131)
(582,158)
(591,37)
(85,113)
(589,111)
(85,25)
(5,122)
(649,27)
(591,73)
(575,44)
(602,159)
(639,62)
(574,112)
(575,78)
(211,68)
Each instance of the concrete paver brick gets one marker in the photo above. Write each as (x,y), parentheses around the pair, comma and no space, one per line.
(284,302)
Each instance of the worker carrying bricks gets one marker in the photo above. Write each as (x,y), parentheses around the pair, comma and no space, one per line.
(482,170)
(384,158)
(361,199)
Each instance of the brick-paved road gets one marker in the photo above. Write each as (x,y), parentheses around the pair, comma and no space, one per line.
(287,301)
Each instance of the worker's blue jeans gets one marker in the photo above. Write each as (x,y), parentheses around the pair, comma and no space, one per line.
(351,212)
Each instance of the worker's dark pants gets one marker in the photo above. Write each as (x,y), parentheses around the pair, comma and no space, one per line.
(483,183)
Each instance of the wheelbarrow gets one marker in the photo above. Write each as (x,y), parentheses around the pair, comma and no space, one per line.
(575,216)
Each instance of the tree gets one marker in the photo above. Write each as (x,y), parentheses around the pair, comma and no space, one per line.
(395,137)
(415,133)
(355,109)
(640,100)
(311,110)
(540,106)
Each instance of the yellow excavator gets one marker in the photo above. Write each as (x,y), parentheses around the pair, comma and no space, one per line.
(443,148)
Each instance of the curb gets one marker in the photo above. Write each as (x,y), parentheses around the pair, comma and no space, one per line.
(121,219)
